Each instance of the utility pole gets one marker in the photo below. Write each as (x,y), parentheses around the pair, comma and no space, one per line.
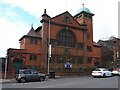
(49,48)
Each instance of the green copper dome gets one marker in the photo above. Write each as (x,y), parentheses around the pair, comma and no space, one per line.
(84,9)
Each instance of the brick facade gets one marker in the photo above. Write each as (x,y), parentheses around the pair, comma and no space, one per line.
(110,51)
(71,38)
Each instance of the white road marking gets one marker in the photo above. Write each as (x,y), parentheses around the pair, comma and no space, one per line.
(27,83)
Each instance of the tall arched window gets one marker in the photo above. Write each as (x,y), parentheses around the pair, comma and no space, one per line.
(66,38)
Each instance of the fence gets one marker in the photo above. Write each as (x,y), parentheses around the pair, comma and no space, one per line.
(58,72)
(67,72)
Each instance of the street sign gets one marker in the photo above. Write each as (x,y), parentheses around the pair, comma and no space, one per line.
(68,65)
(50,50)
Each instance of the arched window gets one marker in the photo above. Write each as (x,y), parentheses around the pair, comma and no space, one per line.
(66,38)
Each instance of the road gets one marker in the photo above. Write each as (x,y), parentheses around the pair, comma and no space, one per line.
(71,82)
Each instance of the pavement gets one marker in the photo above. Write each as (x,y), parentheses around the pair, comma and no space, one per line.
(7,80)
(47,78)
(13,80)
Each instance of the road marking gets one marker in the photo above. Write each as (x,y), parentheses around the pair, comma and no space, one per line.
(26,83)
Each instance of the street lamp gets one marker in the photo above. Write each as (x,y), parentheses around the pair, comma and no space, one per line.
(49,48)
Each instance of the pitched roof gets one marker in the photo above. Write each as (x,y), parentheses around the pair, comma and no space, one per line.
(66,19)
(96,44)
(31,33)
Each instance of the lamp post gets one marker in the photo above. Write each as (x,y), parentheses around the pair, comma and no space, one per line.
(49,48)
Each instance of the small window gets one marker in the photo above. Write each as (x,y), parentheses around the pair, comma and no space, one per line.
(60,60)
(72,60)
(80,45)
(89,60)
(85,15)
(89,48)
(80,60)
(33,40)
(33,57)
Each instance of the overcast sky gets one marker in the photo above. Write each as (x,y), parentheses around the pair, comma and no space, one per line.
(16,17)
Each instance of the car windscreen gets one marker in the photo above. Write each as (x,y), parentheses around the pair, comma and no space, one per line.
(97,69)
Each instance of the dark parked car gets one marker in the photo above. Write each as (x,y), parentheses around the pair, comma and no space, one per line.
(29,75)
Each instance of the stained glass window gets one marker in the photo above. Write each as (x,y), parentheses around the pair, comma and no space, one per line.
(66,38)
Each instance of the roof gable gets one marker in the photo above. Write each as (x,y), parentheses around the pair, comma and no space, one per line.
(66,19)
(31,33)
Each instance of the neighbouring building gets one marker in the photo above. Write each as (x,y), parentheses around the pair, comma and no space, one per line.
(110,52)
(71,41)
(2,66)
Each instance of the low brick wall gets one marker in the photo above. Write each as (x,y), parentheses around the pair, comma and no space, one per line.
(9,75)
(58,72)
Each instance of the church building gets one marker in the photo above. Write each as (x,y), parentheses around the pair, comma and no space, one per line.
(63,44)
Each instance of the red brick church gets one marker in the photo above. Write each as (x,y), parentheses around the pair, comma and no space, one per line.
(71,41)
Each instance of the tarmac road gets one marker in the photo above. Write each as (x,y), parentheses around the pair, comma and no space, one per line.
(71,82)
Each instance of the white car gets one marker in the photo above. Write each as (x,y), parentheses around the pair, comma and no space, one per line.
(116,71)
(101,72)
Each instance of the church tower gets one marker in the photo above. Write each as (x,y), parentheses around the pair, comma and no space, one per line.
(84,16)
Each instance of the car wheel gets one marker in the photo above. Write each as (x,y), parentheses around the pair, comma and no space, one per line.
(104,75)
(22,80)
(41,78)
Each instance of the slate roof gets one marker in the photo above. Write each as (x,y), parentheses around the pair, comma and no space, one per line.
(31,33)
(96,44)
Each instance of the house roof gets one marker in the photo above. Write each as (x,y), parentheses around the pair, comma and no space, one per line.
(96,44)
(31,33)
